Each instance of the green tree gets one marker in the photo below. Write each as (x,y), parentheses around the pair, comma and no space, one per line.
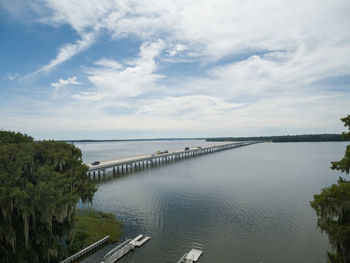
(332,207)
(12,137)
(40,184)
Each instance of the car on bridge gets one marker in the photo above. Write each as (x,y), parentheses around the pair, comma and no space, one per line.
(159,152)
(95,163)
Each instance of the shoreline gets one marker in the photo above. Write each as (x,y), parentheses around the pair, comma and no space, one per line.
(92,225)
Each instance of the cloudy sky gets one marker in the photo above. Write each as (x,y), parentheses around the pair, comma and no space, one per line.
(103,69)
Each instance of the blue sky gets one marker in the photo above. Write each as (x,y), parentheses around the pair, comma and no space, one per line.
(105,69)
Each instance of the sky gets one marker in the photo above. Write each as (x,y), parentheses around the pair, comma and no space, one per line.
(117,69)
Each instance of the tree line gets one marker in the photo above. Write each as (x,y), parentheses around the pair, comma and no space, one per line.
(284,138)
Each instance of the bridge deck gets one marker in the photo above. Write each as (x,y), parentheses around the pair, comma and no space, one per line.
(127,164)
(148,157)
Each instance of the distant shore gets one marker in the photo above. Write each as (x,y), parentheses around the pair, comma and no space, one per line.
(136,140)
(281,138)
(284,138)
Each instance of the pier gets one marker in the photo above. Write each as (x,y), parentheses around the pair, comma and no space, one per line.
(86,250)
(120,166)
(124,248)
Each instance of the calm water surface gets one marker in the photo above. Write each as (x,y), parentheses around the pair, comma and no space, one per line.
(249,204)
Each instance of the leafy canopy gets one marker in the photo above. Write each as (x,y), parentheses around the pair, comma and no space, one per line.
(40,184)
(332,207)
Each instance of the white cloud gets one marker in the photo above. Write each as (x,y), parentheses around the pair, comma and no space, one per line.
(108,63)
(114,81)
(200,107)
(64,83)
(260,62)
(68,51)
(220,28)
(209,29)
(81,15)
(11,76)
(282,114)
(274,72)
(176,50)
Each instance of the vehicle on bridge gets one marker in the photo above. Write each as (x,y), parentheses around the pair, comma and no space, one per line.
(187,148)
(95,163)
(159,152)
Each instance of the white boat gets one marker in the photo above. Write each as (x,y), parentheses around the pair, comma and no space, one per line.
(192,256)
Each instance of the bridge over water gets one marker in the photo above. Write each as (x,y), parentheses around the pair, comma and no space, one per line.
(123,165)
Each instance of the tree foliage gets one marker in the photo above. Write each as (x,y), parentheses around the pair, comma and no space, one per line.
(12,137)
(40,185)
(332,207)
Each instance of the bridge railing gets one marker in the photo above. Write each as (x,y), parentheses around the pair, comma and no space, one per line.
(149,157)
(85,250)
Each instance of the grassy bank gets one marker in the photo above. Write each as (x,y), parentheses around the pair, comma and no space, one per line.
(91,226)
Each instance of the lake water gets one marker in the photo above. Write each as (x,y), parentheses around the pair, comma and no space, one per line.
(249,204)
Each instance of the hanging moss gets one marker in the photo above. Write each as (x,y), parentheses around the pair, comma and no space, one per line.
(332,207)
(40,185)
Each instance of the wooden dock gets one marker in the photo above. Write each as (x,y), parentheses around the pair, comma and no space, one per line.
(119,166)
(86,250)
(124,248)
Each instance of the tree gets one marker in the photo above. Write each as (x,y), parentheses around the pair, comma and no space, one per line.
(332,207)
(40,184)
(12,137)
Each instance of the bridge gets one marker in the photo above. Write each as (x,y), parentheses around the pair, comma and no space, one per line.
(119,166)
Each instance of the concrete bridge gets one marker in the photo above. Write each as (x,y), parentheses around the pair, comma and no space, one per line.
(119,166)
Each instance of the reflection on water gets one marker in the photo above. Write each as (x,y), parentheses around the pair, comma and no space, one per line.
(249,204)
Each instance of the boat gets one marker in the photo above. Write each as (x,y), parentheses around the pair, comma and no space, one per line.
(192,256)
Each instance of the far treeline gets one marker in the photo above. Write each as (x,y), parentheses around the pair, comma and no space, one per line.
(284,138)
